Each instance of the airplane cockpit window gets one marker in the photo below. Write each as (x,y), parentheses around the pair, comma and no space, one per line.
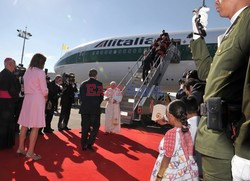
(80,57)
(71,59)
(61,62)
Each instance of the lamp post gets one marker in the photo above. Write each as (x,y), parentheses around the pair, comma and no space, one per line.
(25,35)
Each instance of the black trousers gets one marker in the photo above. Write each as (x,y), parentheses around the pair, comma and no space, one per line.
(7,123)
(90,127)
(65,114)
(145,72)
(49,116)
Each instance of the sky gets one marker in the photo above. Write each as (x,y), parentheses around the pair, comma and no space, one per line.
(53,23)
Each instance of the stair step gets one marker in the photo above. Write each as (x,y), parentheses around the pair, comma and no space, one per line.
(126,121)
(127,109)
(154,77)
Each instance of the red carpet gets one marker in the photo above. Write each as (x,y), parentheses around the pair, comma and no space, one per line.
(127,156)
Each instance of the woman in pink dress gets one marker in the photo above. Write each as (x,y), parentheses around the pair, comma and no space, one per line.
(33,109)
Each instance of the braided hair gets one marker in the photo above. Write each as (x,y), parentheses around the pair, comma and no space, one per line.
(178,109)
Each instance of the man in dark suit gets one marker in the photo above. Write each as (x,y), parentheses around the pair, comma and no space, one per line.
(91,96)
(54,94)
(67,98)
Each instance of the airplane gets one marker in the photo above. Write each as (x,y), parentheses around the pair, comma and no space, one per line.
(113,57)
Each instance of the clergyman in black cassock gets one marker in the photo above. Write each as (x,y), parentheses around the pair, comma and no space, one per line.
(8,95)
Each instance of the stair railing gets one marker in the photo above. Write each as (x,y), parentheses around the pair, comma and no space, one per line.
(131,72)
(151,75)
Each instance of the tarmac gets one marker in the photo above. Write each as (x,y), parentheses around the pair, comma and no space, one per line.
(75,122)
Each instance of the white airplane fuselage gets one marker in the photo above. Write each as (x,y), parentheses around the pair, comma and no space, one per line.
(114,57)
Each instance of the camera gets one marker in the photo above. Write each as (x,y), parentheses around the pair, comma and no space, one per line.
(72,78)
(20,70)
(69,78)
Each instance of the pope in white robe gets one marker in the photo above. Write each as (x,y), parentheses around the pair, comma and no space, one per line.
(112,112)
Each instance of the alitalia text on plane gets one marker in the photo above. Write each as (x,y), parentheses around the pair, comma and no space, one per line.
(124,42)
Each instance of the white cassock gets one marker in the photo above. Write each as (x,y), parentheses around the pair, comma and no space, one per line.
(112,111)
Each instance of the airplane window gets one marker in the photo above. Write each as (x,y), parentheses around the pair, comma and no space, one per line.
(115,51)
(97,53)
(124,51)
(119,51)
(208,47)
(129,50)
(110,52)
(134,50)
(93,53)
(140,50)
(105,52)
(101,52)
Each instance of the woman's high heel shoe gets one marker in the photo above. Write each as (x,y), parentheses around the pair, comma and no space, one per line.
(21,152)
(33,156)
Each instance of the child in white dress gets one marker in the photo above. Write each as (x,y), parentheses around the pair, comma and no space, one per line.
(175,160)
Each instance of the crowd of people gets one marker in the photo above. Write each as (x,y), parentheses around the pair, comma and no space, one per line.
(153,56)
(219,132)
(28,101)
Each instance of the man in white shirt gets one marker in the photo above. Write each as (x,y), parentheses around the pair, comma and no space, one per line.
(193,122)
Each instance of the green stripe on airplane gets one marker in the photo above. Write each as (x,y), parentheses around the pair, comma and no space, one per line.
(123,55)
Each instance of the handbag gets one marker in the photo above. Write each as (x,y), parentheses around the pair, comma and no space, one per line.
(115,121)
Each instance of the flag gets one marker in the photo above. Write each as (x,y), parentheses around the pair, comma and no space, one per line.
(64,47)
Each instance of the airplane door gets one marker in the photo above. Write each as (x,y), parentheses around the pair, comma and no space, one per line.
(177,54)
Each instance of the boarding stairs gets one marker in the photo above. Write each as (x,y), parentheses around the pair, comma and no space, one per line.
(136,93)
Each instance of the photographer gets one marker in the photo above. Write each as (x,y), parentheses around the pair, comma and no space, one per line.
(68,93)
(181,92)
(20,70)
(54,94)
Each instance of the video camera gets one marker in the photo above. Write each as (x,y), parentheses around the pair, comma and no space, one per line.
(20,70)
(69,78)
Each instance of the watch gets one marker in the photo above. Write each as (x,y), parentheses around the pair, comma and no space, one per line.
(159,176)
